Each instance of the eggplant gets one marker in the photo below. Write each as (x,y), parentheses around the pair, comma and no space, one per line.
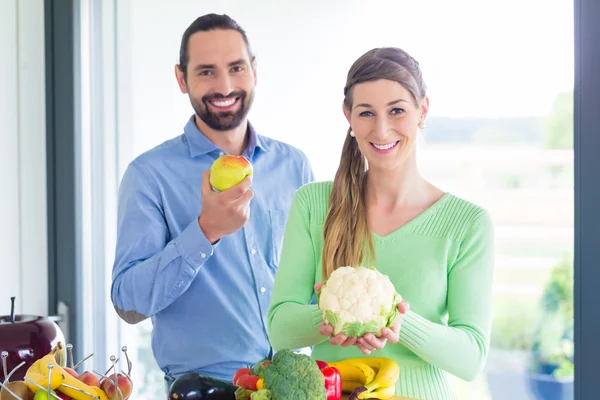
(194,386)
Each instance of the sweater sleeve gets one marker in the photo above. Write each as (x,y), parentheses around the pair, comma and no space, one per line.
(460,348)
(293,322)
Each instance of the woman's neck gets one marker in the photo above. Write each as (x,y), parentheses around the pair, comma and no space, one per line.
(398,188)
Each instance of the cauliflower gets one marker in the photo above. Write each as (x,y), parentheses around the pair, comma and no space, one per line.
(356,301)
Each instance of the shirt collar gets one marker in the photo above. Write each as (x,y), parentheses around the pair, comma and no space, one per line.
(200,145)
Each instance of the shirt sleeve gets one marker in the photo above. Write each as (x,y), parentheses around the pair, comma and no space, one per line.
(293,322)
(460,348)
(309,175)
(150,272)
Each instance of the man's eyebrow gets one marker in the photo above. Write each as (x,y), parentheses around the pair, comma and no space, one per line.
(205,66)
(237,62)
(213,66)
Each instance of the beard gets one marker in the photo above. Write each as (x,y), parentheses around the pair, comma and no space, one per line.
(226,120)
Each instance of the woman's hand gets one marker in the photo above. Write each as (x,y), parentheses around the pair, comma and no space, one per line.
(327,330)
(369,342)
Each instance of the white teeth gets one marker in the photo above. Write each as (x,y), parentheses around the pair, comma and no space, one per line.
(385,146)
(223,103)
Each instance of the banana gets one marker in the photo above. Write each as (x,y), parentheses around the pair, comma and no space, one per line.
(77,395)
(38,372)
(60,354)
(354,371)
(369,372)
(387,372)
(349,386)
(384,393)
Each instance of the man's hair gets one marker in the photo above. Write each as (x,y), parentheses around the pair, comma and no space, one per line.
(205,23)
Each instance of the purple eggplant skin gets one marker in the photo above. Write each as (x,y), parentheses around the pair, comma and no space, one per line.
(197,387)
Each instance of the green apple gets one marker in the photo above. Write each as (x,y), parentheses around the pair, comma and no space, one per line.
(43,395)
(229,170)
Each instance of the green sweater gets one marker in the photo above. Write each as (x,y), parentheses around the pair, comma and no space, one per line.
(441,262)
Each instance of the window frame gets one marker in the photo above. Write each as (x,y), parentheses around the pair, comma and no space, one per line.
(587,196)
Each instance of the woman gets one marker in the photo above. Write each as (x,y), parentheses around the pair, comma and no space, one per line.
(436,248)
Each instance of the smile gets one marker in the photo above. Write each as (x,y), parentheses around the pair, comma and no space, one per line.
(224,104)
(384,147)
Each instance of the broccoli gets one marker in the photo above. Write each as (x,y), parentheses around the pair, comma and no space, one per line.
(292,376)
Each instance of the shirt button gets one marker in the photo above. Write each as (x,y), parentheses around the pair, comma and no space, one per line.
(221,153)
(262,290)
(203,255)
(253,251)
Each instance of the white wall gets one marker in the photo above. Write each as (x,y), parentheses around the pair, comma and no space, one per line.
(23,227)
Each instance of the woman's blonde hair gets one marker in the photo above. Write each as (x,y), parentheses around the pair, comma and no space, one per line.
(347,237)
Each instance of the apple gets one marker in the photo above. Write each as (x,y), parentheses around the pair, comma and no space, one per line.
(63,396)
(43,395)
(229,170)
(89,379)
(28,338)
(123,383)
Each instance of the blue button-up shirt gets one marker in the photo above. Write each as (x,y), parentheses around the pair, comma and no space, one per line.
(208,303)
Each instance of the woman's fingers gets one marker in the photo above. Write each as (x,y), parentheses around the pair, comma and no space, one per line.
(342,340)
(377,343)
(337,340)
(325,329)
(391,335)
(403,307)
(365,346)
(349,342)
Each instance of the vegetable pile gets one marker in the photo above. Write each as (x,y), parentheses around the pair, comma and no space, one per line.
(290,376)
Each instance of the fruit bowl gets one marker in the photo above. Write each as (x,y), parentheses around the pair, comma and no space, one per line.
(47,379)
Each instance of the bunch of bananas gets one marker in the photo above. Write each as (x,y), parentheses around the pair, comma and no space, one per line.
(368,378)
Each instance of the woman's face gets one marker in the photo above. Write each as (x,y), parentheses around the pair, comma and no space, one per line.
(385,120)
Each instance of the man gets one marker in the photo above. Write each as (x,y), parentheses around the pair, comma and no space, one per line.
(201,263)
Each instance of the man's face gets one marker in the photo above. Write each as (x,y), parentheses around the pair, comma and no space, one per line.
(220,78)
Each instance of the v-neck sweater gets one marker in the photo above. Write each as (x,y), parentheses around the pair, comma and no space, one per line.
(440,262)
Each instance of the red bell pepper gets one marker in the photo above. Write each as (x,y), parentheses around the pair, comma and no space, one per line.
(333,380)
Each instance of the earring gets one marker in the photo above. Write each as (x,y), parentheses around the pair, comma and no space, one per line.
(351,133)
(421,125)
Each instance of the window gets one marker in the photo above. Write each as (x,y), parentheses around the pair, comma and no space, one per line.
(499,134)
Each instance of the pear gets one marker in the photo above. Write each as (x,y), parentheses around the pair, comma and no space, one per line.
(19,388)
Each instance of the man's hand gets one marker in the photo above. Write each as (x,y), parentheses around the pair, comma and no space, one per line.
(224,212)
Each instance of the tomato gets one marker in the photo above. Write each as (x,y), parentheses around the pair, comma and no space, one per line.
(248,382)
(240,372)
